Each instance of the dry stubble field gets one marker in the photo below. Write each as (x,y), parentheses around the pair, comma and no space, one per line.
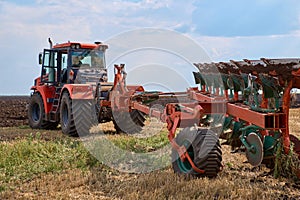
(91,180)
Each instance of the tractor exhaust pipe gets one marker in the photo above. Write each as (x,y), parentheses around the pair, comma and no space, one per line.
(50,43)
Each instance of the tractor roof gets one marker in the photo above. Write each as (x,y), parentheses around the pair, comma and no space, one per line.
(78,45)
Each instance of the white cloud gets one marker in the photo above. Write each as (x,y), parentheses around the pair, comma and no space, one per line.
(26,27)
(88,19)
(252,47)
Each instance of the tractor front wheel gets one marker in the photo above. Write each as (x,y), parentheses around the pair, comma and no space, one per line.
(66,116)
(204,149)
(36,114)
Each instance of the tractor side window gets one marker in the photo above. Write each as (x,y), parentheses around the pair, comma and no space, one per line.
(50,59)
(49,66)
(64,61)
(64,68)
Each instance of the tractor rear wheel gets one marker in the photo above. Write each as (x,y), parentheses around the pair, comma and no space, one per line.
(204,149)
(36,114)
(128,122)
(77,116)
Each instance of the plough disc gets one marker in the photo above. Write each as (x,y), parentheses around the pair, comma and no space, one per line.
(255,154)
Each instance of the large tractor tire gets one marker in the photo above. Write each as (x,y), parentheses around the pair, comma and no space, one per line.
(77,116)
(36,114)
(203,147)
(128,122)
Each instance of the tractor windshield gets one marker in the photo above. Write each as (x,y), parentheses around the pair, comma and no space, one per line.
(89,59)
(89,66)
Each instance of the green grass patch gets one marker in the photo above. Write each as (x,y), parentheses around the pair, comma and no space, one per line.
(23,159)
(140,145)
(129,153)
(24,127)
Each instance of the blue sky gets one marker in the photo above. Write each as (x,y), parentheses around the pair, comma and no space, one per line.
(225,29)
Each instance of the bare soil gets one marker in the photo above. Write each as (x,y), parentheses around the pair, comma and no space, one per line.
(13,111)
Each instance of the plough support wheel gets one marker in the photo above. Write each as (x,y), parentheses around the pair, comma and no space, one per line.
(204,149)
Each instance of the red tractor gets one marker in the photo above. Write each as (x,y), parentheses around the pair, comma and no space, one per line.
(73,90)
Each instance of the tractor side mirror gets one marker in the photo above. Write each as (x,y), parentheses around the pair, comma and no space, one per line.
(40,58)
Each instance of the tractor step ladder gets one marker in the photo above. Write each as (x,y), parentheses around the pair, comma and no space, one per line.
(55,107)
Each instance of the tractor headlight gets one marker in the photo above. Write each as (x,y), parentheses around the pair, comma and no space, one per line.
(75,46)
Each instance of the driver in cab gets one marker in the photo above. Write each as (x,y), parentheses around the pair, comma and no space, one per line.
(76,63)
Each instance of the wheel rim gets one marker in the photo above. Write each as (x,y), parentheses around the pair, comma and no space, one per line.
(185,166)
(65,115)
(36,112)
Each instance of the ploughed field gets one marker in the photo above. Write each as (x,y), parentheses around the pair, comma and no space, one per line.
(13,110)
(44,164)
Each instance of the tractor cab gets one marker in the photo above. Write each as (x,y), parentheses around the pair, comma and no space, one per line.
(72,62)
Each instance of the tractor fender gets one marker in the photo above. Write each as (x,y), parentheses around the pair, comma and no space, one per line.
(80,91)
(46,93)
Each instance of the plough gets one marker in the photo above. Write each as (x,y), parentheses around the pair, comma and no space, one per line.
(245,102)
